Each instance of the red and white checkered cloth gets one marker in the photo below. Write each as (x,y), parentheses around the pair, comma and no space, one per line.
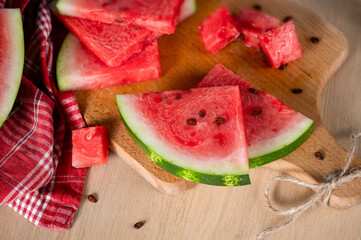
(36,176)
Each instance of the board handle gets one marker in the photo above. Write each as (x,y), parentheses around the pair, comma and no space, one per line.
(307,167)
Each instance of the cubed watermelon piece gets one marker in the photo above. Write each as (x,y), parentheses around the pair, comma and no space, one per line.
(218,30)
(251,24)
(281,44)
(90,146)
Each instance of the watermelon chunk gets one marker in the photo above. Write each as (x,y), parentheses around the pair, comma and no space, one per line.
(281,44)
(273,130)
(197,135)
(218,30)
(155,15)
(78,68)
(11,59)
(90,146)
(113,44)
(188,8)
(251,24)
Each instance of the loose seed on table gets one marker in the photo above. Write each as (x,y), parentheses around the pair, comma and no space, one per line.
(139,225)
(93,199)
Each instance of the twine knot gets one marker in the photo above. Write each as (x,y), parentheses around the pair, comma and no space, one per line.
(323,192)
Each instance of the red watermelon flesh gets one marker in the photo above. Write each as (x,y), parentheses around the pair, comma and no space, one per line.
(196,134)
(90,146)
(272,129)
(281,44)
(79,69)
(252,24)
(113,44)
(218,30)
(155,15)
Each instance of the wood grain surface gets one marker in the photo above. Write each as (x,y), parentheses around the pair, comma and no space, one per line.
(206,212)
(185,62)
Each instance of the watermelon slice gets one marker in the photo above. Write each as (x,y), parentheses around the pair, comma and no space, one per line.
(197,135)
(11,59)
(281,44)
(218,30)
(251,24)
(273,130)
(155,15)
(113,44)
(90,146)
(79,69)
(188,8)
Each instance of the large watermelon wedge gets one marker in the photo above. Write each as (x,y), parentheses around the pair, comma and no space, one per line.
(273,130)
(197,135)
(155,15)
(77,68)
(11,59)
(113,44)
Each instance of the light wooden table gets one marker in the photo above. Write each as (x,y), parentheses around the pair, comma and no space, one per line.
(208,212)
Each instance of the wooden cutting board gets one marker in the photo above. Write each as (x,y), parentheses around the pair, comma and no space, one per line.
(185,61)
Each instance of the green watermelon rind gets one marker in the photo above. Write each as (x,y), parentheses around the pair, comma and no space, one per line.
(17,28)
(185,173)
(63,82)
(281,152)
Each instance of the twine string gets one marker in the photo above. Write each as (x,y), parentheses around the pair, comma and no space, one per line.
(323,191)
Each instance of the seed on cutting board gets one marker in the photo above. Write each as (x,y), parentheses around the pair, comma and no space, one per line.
(283,67)
(296,90)
(253,90)
(139,225)
(257,7)
(315,40)
(319,155)
(288,18)
(92,198)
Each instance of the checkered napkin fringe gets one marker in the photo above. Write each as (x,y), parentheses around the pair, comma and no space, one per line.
(36,176)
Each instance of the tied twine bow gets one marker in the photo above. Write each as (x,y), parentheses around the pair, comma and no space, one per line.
(323,190)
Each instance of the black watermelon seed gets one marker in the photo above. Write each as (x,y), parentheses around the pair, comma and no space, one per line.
(296,90)
(315,40)
(257,7)
(253,90)
(319,155)
(241,36)
(119,21)
(267,30)
(220,120)
(202,113)
(192,121)
(288,18)
(139,225)
(256,112)
(92,198)
(283,67)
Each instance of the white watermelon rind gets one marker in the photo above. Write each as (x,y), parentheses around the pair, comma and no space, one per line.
(182,172)
(296,138)
(16,29)
(188,8)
